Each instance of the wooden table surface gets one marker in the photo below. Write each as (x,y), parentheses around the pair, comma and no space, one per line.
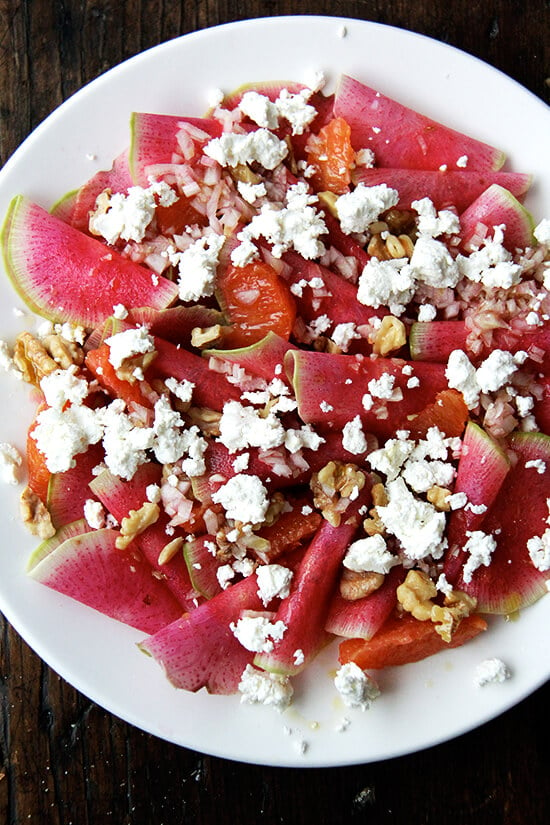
(65,760)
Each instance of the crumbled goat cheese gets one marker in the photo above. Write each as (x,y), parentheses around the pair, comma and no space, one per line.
(262,688)
(356,688)
(244,498)
(273,582)
(257,633)
(250,192)
(370,554)
(542,232)
(125,444)
(152,491)
(382,387)
(386,283)
(260,146)
(353,437)
(390,458)
(537,464)
(224,575)
(172,441)
(481,547)
(421,475)
(495,371)
(490,672)
(492,265)
(128,216)
(426,312)
(126,344)
(244,253)
(304,438)
(260,109)
(462,162)
(6,361)
(295,109)
(94,513)
(62,434)
(120,312)
(197,267)
(183,390)
(62,386)
(461,375)
(539,551)
(457,501)
(241,462)
(296,226)
(432,264)
(356,210)
(242,427)
(443,585)
(343,334)
(10,461)
(433,223)
(417,524)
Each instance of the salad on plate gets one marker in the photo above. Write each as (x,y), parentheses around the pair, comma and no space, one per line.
(292,384)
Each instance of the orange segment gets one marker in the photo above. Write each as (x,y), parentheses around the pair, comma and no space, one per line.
(331,154)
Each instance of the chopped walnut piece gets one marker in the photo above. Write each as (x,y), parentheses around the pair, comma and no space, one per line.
(355,585)
(439,497)
(133,368)
(333,486)
(206,336)
(32,358)
(244,174)
(35,515)
(135,523)
(65,353)
(102,204)
(457,606)
(379,495)
(390,336)
(415,595)
(328,202)
(170,550)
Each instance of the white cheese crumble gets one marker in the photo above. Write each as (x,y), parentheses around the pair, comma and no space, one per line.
(536,464)
(542,232)
(244,498)
(353,437)
(295,109)
(128,216)
(434,223)
(427,312)
(461,375)
(260,146)
(224,575)
(62,386)
(10,462)
(242,427)
(197,267)
(62,434)
(126,344)
(539,551)
(261,688)
(297,226)
(496,370)
(432,264)
(357,689)
(386,283)
(417,524)
(492,265)
(250,192)
(481,547)
(95,514)
(183,390)
(370,555)
(490,672)
(273,582)
(356,210)
(257,633)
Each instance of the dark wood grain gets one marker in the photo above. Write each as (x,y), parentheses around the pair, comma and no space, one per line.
(63,760)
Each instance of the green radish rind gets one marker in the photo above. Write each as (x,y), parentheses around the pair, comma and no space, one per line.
(68,531)
(202,566)
(65,275)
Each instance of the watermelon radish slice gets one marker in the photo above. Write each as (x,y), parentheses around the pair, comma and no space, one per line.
(541,409)
(65,275)
(318,379)
(68,531)
(119,497)
(154,140)
(511,581)
(176,324)
(450,188)
(415,141)
(67,492)
(211,390)
(492,208)
(435,340)
(304,611)
(482,470)
(116,179)
(361,619)
(120,584)
(200,650)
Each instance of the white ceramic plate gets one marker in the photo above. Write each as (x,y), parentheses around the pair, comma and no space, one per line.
(420,704)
